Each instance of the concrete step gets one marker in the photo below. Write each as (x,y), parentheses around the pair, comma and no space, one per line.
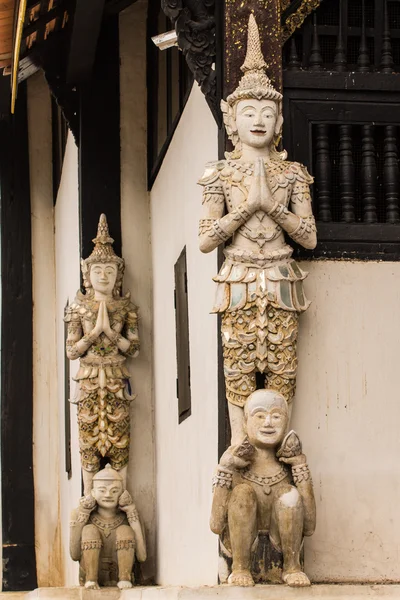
(222,592)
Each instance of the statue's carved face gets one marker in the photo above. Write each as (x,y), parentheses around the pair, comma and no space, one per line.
(266,419)
(257,122)
(107,493)
(103,277)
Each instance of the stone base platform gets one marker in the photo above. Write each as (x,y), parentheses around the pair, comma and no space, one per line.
(223,592)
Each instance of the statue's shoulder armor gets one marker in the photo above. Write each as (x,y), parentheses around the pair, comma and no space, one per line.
(72,311)
(212,172)
(131,308)
(299,172)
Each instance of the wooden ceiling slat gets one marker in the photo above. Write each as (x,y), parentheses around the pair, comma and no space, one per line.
(7,8)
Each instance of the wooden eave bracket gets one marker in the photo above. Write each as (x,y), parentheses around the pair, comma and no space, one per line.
(194,22)
(294,14)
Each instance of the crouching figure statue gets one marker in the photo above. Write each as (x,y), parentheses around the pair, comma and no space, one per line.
(263,486)
(106,535)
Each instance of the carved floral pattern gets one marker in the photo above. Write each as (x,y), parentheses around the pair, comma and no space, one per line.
(297,18)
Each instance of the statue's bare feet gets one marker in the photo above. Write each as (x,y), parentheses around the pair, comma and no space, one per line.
(242,578)
(92,585)
(124,585)
(297,579)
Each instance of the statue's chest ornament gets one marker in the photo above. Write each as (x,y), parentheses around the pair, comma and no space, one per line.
(238,177)
(107,526)
(265,482)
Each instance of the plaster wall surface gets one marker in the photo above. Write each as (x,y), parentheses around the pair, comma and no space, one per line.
(186,452)
(45,409)
(347,413)
(67,284)
(136,249)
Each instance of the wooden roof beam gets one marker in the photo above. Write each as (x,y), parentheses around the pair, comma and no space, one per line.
(85,33)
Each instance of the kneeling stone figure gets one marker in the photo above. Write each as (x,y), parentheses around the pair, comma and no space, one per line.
(106,535)
(264,486)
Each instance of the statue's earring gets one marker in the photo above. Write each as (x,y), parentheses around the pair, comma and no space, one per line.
(277,140)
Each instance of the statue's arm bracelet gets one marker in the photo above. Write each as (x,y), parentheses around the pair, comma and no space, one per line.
(132,515)
(227,225)
(304,230)
(72,351)
(278,212)
(223,478)
(301,473)
(222,229)
(115,337)
(88,339)
(82,518)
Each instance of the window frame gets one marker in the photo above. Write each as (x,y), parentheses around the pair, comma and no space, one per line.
(155,158)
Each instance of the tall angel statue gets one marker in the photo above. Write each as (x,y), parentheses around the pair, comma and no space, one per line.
(102,332)
(255,196)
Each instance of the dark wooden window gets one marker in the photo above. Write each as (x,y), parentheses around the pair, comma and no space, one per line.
(182,338)
(342,119)
(169,82)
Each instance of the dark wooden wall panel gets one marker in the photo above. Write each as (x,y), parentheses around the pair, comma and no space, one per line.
(19,567)
(99,144)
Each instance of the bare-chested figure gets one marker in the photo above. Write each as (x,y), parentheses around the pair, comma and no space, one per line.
(257,492)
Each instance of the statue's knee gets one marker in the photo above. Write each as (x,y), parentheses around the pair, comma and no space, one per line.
(243,496)
(91,538)
(90,532)
(289,498)
(124,532)
(125,538)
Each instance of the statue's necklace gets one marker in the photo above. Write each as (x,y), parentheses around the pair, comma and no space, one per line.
(107,526)
(264,481)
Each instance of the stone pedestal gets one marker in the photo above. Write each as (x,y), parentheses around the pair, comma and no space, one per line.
(222,592)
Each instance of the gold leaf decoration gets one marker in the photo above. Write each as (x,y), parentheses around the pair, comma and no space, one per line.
(296,19)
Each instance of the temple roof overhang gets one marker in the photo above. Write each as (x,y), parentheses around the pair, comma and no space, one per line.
(30,30)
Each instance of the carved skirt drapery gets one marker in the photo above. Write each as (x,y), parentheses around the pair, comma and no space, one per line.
(259,329)
(103,413)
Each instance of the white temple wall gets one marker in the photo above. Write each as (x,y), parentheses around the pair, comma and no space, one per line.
(136,249)
(186,452)
(67,284)
(45,409)
(347,413)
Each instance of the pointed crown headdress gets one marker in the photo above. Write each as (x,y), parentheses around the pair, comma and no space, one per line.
(254,83)
(103,252)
